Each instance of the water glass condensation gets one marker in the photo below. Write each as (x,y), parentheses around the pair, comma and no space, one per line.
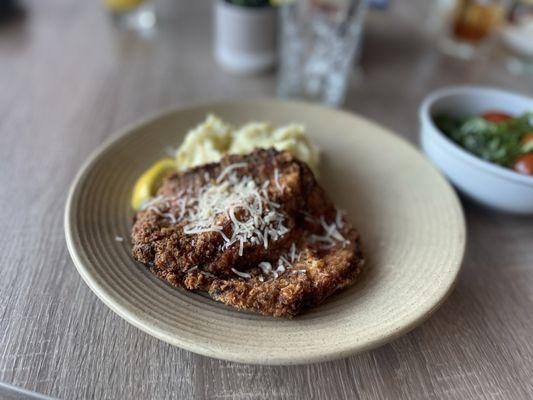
(318,42)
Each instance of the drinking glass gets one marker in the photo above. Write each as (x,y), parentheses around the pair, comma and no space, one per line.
(318,42)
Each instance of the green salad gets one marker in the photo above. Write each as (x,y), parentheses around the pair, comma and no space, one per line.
(494,136)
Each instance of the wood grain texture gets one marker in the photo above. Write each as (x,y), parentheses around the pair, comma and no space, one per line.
(68,80)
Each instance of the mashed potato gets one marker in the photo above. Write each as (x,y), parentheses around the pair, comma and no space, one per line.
(210,140)
(204,144)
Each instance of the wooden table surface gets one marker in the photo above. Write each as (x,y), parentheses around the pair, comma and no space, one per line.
(68,80)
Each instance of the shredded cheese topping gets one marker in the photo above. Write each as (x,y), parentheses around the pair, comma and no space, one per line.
(331,232)
(276,180)
(285,263)
(254,218)
(241,274)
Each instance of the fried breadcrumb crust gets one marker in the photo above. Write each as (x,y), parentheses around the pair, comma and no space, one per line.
(200,262)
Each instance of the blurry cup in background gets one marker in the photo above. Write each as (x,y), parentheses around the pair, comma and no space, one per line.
(319,40)
(136,15)
(245,35)
(471,24)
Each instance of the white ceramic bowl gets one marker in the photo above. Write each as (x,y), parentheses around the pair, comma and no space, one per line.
(485,182)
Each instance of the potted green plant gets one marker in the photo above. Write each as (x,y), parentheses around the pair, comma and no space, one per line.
(245,35)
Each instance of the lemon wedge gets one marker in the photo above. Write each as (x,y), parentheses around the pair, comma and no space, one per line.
(148,183)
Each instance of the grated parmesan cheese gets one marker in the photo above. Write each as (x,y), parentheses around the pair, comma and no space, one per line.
(293,252)
(253,217)
(331,233)
(283,264)
(153,202)
(276,180)
(209,274)
(338,218)
(266,267)
(241,274)
(228,169)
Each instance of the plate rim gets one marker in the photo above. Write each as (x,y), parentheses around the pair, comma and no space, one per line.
(174,340)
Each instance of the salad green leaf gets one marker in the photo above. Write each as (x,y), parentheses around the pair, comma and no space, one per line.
(497,142)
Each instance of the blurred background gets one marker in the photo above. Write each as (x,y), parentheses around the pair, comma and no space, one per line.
(378,58)
(72,72)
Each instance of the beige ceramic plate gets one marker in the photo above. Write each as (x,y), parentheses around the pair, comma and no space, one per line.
(409,218)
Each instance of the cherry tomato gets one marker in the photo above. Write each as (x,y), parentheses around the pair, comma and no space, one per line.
(528,138)
(495,116)
(524,164)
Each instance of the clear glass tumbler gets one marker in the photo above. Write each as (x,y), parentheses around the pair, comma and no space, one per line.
(318,42)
